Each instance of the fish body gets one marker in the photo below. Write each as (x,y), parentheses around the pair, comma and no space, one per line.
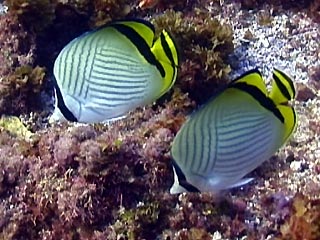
(105,73)
(233,134)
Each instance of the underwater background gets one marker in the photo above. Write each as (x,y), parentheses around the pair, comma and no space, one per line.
(98,181)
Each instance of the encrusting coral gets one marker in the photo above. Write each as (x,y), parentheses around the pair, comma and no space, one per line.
(312,7)
(80,176)
(20,80)
(17,46)
(304,220)
(39,14)
(20,90)
(35,15)
(95,182)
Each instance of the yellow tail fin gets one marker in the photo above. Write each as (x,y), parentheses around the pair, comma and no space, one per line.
(290,120)
(165,51)
(282,88)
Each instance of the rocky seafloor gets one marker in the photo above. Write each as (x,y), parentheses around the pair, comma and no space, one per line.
(81,181)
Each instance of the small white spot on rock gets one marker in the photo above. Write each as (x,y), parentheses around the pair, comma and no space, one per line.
(295,165)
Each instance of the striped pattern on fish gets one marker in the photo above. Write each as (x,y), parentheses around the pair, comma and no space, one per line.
(105,73)
(231,135)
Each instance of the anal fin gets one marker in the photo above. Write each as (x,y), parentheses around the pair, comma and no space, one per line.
(241,182)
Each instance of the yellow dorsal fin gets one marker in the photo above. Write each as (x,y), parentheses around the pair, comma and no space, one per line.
(165,51)
(253,78)
(144,28)
(282,88)
(290,120)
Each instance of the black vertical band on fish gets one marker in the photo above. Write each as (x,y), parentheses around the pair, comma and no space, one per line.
(105,73)
(141,45)
(260,97)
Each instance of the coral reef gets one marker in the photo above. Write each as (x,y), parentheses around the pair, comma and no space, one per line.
(15,127)
(111,181)
(17,46)
(35,15)
(39,14)
(70,176)
(32,33)
(20,90)
(21,81)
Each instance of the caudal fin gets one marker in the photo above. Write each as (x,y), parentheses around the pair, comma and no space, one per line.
(290,120)
(165,51)
(282,88)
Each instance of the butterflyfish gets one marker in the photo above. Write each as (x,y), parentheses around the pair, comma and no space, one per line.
(105,73)
(233,133)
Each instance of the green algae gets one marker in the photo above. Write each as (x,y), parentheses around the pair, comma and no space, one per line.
(15,127)
(206,44)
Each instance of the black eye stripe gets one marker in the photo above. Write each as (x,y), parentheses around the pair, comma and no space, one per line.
(141,45)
